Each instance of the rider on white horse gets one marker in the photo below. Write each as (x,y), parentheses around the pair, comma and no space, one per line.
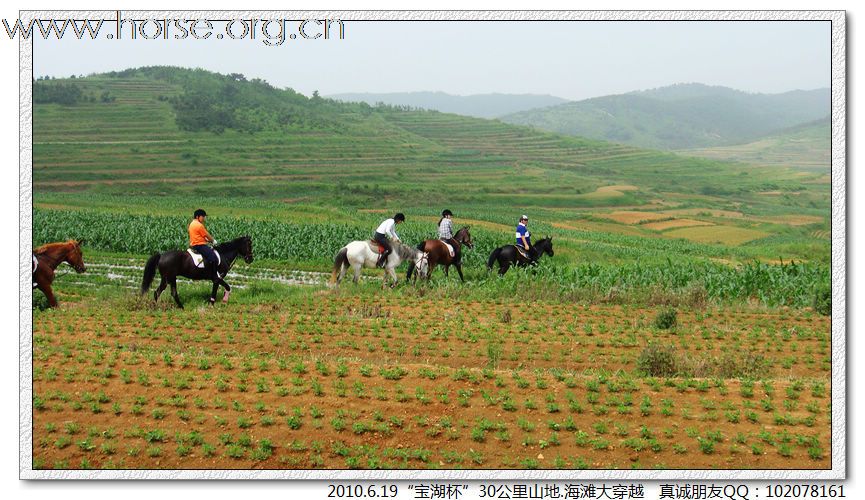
(384,231)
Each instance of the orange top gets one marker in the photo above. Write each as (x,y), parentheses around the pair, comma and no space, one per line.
(197,233)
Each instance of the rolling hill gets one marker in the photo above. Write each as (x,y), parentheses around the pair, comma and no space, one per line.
(155,126)
(804,147)
(480,105)
(157,140)
(684,116)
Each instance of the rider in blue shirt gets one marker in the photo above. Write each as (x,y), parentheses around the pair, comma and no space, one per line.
(524,237)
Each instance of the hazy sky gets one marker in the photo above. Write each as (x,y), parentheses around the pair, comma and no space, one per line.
(570,59)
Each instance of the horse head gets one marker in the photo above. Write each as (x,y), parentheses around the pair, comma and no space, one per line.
(464,238)
(245,249)
(422,265)
(548,247)
(543,246)
(74,257)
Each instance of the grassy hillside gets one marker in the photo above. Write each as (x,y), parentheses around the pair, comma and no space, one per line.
(806,147)
(480,106)
(165,140)
(680,116)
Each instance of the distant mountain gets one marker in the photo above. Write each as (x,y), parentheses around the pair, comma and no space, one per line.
(682,116)
(480,105)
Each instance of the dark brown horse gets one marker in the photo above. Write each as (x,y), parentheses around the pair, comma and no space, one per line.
(46,259)
(179,263)
(439,254)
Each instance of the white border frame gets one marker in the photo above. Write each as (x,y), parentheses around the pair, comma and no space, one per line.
(839,276)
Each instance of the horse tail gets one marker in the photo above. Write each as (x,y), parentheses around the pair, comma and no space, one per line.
(149,272)
(493,257)
(339,261)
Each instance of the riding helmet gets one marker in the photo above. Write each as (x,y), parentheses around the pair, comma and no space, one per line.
(399,216)
(446,212)
(198,213)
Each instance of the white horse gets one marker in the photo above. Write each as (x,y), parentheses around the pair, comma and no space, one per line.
(364,253)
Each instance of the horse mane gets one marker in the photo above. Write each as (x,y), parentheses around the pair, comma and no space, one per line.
(230,245)
(404,251)
(538,247)
(47,247)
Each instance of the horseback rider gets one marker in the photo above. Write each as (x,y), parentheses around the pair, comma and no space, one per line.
(446,232)
(199,238)
(524,237)
(384,231)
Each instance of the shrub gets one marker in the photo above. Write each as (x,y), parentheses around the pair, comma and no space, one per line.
(658,360)
(666,319)
(823,301)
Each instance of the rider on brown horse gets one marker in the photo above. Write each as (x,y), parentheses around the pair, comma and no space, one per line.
(446,233)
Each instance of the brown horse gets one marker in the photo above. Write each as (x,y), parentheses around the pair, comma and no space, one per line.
(46,259)
(439,254)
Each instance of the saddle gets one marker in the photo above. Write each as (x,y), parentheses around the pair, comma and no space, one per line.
(449,247)
(376,246)
(522,252)
(198,259)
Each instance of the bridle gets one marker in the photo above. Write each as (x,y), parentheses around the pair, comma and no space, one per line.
(421,262)
(467,243)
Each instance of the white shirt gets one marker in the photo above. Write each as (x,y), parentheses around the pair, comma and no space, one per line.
(387,228)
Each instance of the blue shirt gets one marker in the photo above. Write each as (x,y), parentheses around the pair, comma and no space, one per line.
(522,230)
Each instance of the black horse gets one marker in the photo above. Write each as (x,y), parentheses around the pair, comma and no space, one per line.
(508,255)
(179,263)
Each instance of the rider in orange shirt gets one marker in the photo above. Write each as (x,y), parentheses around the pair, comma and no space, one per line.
(199,238)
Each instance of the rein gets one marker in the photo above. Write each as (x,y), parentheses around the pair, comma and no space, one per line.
(49,261)
(423,259)
(46,256)
(230,248)
(229,255)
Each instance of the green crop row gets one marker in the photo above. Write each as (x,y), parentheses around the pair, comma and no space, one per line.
(647,266)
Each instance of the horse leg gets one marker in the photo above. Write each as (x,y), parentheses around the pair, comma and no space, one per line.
(459,267)
(213,291)
(356,277)
(49,294)
(384,277)
(503,268)
(159,289)
(174,293)
(392,272)
(447,268)
(227,291)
